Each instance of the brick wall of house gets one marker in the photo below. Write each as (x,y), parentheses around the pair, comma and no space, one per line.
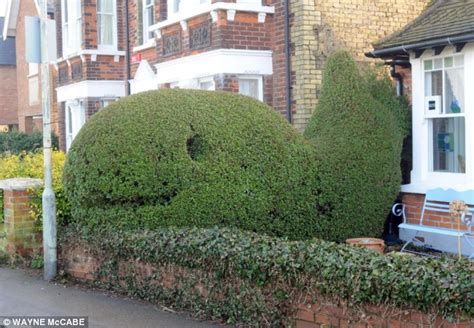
(89,67)
(323,26)
(244,32)
(309,311)
(26,110)
(8,95)
(413,209)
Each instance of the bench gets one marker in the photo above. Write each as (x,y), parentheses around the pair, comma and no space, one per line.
(438,238)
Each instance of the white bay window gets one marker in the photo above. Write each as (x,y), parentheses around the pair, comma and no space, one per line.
(444,106)
(106,24)
(71,12)
(443,117)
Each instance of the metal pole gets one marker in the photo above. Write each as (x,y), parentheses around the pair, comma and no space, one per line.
(49,200)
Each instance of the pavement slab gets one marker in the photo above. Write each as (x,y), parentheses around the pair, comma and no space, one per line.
(25,294)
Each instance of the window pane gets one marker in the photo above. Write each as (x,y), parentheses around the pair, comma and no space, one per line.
(448,62)
(438,63)
(107,6)
(433,83)
(176,7)
(249,87)
(459,60)
(105,23)
(454,95)
(449,150)
(66,12)
(428,65)
(207,85)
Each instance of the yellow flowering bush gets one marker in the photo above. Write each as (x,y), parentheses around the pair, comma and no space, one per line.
(30,165)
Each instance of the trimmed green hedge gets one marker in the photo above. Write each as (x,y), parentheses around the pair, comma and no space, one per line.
(357,130)
(272,271)
(192,158)
(16,142)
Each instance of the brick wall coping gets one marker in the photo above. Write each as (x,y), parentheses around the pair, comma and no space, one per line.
(20,183)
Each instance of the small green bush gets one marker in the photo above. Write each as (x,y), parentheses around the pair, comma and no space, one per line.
(273,272)
(192,158)
(358,138)
(16,142)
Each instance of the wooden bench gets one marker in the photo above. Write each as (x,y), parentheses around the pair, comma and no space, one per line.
(438,238)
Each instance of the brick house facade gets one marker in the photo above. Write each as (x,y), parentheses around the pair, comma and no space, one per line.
(214,45)
(8,90)
(254,33)
(90,70)
(232,45)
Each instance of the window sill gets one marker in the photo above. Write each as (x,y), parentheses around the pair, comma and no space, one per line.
(232,8)
(423,186)
(147,45)
(96,52)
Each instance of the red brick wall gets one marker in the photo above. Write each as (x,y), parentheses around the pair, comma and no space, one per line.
(78,261)
(8,95)
(326,313)
(21,235)
(414,206)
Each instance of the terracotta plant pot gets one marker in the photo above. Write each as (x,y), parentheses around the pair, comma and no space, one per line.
(374,244)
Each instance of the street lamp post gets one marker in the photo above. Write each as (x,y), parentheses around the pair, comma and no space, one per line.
(49,200)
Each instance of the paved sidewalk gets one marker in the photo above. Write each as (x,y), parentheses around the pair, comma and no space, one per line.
(22,293)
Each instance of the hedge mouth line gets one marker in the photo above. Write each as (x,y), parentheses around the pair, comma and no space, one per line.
(348,274)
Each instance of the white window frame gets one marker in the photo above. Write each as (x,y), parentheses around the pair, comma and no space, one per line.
(443,113)
(33,69)
(177,7)
(113,46)
(423,177)
(33,84)
(259,80)
(147,36)
(207,80)
(71,22)
(33,90)
(73,127)
(104,102)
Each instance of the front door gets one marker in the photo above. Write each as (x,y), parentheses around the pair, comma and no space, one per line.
(75,119)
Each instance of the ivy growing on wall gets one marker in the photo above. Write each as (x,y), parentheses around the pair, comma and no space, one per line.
(251,278)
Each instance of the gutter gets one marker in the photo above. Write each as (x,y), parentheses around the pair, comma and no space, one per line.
(403,49)
(127,52)
(289,114)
